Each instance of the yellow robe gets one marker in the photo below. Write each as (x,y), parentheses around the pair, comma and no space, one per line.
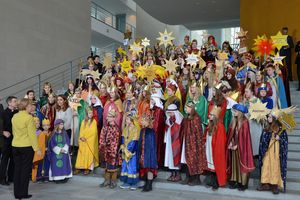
(42,138)
(88,156)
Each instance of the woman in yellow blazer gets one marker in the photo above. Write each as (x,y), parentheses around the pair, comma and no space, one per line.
(23,146)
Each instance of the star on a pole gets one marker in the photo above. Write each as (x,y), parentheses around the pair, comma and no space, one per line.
(170,65)
(258,110)
(136,48)
(145,42)
(165,38)
(126,65)
(279,40)
(242,34)
(278,59)
(121,51)
(192,59)
(107,60)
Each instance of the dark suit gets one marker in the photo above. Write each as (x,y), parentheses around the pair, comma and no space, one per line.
(297,62)
(7,164)
(286,51)
(1,127)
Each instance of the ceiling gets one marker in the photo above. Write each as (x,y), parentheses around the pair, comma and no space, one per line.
(194,14)
(115,6)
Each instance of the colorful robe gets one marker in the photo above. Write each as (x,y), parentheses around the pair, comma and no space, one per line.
(49,112)
(129,142)
(265,142)
(201,107)
(279,95)
(269,102)
(60,163)
(193,147)
(143,107)
(118,107)
(87,157)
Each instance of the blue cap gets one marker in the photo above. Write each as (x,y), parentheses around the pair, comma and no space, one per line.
(240,107)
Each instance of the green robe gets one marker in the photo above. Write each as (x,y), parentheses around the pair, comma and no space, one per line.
(201,107)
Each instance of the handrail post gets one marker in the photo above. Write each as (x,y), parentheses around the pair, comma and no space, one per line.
(71,70)
(39,85)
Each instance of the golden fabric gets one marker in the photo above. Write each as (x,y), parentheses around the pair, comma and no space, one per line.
(270,171)
(88,156)
(129,134)
(236,174)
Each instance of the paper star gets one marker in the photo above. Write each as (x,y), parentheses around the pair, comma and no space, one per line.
(94,74)
(263,46)
(145,72)
(278,59)
(107,60)
(258,110)
(121,51)
(165,38)
(126,65)
(136,48)
(170,65)
(242,34)
(145,42)
(192,59)
(201,62)
(222,56)
(279,40)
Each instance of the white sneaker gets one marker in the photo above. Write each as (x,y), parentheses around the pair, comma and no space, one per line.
(125,186)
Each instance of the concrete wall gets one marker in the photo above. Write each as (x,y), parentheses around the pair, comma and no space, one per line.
(147,26)
(37,35)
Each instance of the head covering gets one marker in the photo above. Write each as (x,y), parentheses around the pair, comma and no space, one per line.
(156,97)
(178,116)
(46,122)
(36,120)
(98,102)
(262,87)
(58,121)
(215,111)
(172,87)
(240,108)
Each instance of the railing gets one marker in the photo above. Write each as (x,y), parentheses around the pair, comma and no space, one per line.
(108,18)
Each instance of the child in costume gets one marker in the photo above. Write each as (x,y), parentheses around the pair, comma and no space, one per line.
(87,157)
(58,148)
(40,168)
(147,159)
(110,139)
(173,142)
(262,94)
(129,145)
(239,150)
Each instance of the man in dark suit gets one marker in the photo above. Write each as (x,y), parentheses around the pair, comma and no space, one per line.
(7,164)
(1,127)
(286,51)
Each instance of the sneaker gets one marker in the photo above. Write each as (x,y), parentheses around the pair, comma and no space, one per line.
(133,187)
(125,186)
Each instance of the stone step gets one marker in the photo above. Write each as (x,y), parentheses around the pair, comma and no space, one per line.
(293,164)
(294,155)
(294,147)
(294,138)
(291,194)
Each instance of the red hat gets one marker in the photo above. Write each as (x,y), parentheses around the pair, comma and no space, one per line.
(172,87)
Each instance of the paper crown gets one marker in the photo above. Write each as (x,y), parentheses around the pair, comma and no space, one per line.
(112,89)
(102,85)
(263,87)
(36,120)
(215,111)
(46,122)
(260,73)
(240,108)
(146,88)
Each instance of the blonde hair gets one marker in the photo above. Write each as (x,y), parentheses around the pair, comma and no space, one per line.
(23,103)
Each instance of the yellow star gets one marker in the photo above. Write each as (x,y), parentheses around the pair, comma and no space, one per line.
(258,110)
(201,62)
(145,42)
(126,65)
(259,38)
(192,59)
(121,51)
(222,56)
(165,38)
(242,34)
(145,72)
(107,60)
(170,65)
(278,59)
(136,48)
(279,40)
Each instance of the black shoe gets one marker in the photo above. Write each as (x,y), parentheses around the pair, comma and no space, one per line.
(4,182)
(147,186)
(298,89)
(233,185)
(27,196)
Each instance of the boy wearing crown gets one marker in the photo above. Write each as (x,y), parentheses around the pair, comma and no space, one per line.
(109,144)
(40,168)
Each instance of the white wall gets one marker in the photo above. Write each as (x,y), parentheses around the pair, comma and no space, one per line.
(147,26)
(37,35)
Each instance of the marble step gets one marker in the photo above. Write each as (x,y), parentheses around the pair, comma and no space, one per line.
(294,146)
(294,155)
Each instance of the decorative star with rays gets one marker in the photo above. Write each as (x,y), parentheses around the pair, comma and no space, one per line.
(136,48)
(258,111)
(145,42)
(165,38)
(170,65)
(107,60)
(192,59)
(121,51)
(201,62)
(279,40)
(278,59)
(242,34)
(222,56)
(126,65)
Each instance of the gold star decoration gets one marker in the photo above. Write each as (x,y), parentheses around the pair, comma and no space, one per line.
(278,59)
(165,38)
(222,56)
(145,72)
(121,51)
(136,48)
(192,59)
(107,60)
(258,111)
(170,65)
(279,40)
(126,65)
(145,42)
(201,62)
(94,74)
(242,34)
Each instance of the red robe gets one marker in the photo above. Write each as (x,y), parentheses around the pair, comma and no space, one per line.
(223,109)
(159,128)
(195,155)
(219,152)
(242,139)
(103,99)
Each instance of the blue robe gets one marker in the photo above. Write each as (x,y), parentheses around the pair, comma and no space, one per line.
(60,164)
(43,169)
(280,91)
(129,171)
(264,146)
(269,102)
(241,75)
